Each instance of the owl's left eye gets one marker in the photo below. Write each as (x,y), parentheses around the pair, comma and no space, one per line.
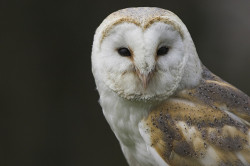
(124,51)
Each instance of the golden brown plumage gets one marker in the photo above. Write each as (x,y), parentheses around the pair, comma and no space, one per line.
(206,125)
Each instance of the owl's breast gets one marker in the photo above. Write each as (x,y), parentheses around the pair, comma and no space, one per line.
(123,117)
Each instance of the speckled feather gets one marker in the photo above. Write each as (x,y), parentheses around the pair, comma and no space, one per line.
(206,125)
(143,17)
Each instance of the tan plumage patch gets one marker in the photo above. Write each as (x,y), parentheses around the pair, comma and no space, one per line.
(142,17)
(207,125)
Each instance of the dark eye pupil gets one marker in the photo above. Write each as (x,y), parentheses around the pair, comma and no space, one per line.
(124,52)
(162,51)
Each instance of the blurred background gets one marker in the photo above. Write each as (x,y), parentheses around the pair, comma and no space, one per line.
(49,111)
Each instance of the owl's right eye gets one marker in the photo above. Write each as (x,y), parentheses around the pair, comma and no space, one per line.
(162,51)
(124,51)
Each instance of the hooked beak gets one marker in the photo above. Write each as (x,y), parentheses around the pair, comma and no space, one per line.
(144,78)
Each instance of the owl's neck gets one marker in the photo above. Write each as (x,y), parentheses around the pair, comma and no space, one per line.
(123,117)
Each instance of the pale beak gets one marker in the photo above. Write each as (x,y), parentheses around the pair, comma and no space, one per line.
(144,78)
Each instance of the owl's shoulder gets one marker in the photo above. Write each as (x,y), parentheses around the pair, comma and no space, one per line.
(218,94)
(208,124)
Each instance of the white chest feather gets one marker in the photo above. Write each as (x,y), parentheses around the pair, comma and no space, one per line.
(124,117)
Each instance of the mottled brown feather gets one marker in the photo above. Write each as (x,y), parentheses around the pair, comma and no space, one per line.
(196,123)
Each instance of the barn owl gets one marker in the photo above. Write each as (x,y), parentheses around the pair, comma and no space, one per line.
(163,105)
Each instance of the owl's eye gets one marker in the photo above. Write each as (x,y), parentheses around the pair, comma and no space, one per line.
(162,51)
(124,51)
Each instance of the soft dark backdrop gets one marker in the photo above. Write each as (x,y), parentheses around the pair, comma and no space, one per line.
(49,114)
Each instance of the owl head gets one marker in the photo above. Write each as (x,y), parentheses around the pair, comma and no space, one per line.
(144,54)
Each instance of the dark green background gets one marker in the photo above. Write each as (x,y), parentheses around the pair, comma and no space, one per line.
(49,111)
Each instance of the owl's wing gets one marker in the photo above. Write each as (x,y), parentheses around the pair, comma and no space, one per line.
(207,125)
